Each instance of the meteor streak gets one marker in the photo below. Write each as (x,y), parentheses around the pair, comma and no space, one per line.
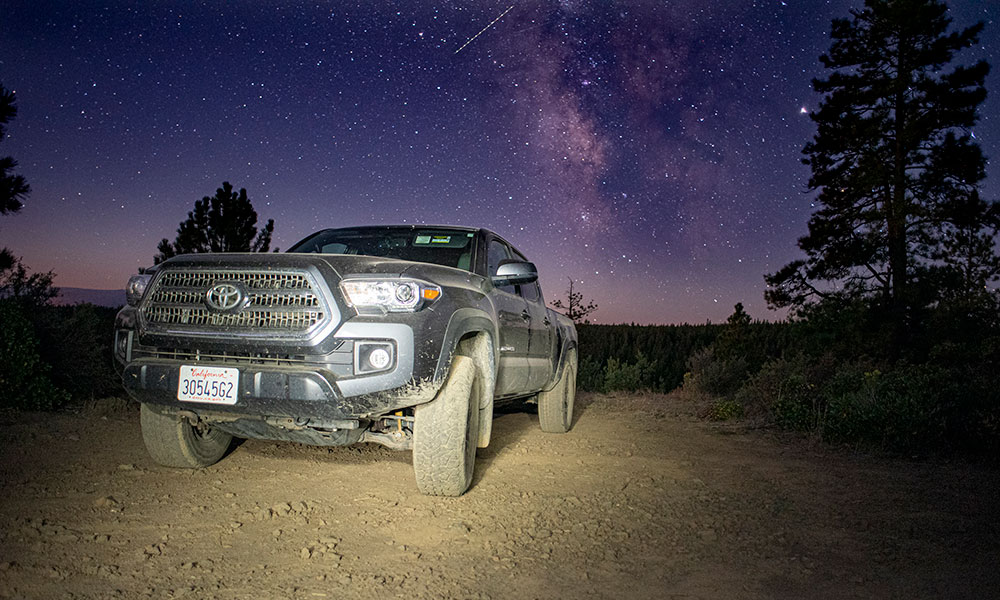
(484,29)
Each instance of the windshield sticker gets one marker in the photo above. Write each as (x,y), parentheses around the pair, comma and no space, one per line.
(441,240)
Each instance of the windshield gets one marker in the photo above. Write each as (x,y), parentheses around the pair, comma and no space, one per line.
(446,247)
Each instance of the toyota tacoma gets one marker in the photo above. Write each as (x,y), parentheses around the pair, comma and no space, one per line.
(407,336)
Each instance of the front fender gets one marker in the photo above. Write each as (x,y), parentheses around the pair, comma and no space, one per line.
(465,321)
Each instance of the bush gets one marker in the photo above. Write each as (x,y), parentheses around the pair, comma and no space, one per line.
(620,376)
(590,376)
(902,410)
(725,409)
(77,342)
(781,393)
(841,373)
(638,357)
(715,376)
(24,377)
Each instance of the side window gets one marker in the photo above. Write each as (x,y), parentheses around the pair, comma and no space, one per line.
(530,291)
(498,252)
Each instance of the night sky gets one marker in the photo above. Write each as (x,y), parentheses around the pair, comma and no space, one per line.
(650,151)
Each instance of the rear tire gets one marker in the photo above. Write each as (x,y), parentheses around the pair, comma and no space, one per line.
(446,431)
(555,407)
(173,442)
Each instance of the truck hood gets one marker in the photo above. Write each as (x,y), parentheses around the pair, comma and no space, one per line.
(340,264)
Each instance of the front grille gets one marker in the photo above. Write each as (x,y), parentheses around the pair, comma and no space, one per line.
(276,301)
(262,280)
(255,319)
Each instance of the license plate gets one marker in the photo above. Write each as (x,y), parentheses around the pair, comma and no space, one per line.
(215,385)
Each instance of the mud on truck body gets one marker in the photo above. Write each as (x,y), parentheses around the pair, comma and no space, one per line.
(406,336)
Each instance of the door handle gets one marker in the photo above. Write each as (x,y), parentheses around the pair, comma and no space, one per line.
(525,315)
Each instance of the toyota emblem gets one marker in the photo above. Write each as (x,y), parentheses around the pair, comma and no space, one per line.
(225,297)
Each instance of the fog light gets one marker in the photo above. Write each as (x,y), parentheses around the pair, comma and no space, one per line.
(378,359)
(372,357)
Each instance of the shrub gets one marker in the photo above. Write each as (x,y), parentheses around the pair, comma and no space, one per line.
(782,393)
(619,376)
(725,409)
(713,375)
(650,357)
(905,409)
(590,376)
(77,342)
(24,377)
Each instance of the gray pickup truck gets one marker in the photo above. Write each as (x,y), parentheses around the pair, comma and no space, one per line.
(403,335)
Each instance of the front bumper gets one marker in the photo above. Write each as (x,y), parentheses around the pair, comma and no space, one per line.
(319,389)
(277,391)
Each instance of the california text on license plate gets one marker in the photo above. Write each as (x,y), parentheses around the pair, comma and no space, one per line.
(216,385)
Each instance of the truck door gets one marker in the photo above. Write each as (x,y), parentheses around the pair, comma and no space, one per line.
(512,314)
(540,337)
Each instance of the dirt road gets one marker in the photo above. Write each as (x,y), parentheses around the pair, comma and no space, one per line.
(639,500)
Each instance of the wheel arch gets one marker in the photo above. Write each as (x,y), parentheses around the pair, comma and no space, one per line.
(466,323)
(472,333)
(567,342)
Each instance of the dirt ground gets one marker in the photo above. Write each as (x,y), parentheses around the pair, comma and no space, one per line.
(639,500)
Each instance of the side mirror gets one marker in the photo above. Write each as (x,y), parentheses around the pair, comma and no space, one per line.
(514,272)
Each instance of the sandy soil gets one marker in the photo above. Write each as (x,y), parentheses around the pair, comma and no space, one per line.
(639,500)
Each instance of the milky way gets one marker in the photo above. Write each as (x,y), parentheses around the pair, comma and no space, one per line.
(649,151)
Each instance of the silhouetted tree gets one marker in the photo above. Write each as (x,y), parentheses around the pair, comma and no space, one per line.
(895,166)
(734,340)
(967,262)
(574,307)
(225,222)
(13,188)
(31,289)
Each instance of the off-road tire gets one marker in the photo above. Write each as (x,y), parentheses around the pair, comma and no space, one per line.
(174,442)
(555,407)
(480,349)
(445,433)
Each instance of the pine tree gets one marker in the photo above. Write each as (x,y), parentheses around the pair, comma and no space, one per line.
(966,260)
(225,222)
(13,188)
(575,307)
(894,164)
(15,280)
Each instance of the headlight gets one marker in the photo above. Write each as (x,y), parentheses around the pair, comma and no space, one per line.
(135,288)
(388,295)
